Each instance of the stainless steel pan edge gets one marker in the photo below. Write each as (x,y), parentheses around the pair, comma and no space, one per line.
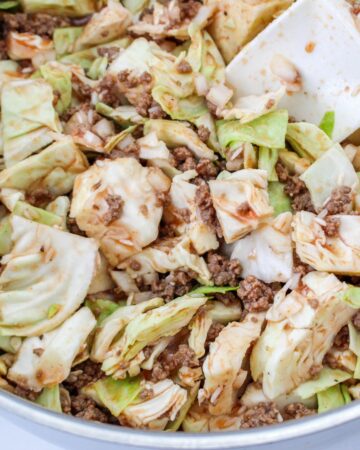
(336,423)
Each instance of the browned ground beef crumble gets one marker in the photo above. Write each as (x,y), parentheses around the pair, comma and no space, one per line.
(207,211)
(332,226)
(297,411)
(82,375)
(255,295)
(42,24)
(177,283)
(259,415)
(115,207)
(340,201)
(224,272)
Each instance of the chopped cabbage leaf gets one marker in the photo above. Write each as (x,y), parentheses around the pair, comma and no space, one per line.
(326,379)
(199,330)
(10,344)
(208,290)
(59,78)
(354,346)
(30,287)
(241,201)
(267,160)
(116,202)
(148,327)
(72,8)
(268,130)
(191,398)
(331,398)
(64,39)
(301,327)
(27,107)
(54,169)
(293,162)
(50,398)
(278,199)
(224,313)
(50,364)
(327,123)
(224,367)
(331,170)
(39,215)
(351,296)
(308,140)
(271,251)
(339,254)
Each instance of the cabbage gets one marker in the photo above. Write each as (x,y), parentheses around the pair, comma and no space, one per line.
(98,68)
(72,8)
(148,327)
(339,254)
(333,397)
(50,398)
(5,236)
(208,290)
(199,330)
(32,300)
(108,24)
(28,46)
(246,109)
(351,296)
(327,123)
(135,6)
(125,115)
(219,312)
(238,22)
(116,395)
(270,247)
(137,188)
(166,402)
(326,379)
(115,324)
(164,256)
(64,39)
(101,281)
(47,360)
(308,140)
(267,160)
(182,196)
(27,111)
(39,215)
(54,169)
(354,346)
(278,199)
(224,367)
(268,130)
(9,4)
(176,134)
(10,344)
(293,162)
(59,78)
(300,330)
(60,207)
(331,170)
(191,398)
(241,201)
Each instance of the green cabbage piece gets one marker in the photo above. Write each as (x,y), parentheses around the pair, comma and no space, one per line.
(85,58)
(175,134)
(293,162)
(5,236)
(331,398)
(72,8)
(116,395)
(102,308)
(327,123)
(55,169)
(268,130)
(39,215)
(267,160)
(98,68)
(125,115)
(10,344)
(208,122)
(50,398)
(351,296)
(204,56)
(64,39)
(59,79)
(148,327)
(60,207)
(278,199)
(187,108)
(9,4)
(27,109)
(219,312)
(176,424)
(308,140)
(354,346)
(325,380)
(135,6)
(208,290)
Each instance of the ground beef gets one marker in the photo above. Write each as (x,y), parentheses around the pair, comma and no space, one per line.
(259,415)
(137,90)
(356,320)
(110,52)
(115,208)
(203,133)
(3,50)
(130,151)
(42,24)
(297,411)
(146,394)
(331,229)
(300,267)
(224,272)
(65,401)
(109,90)
(82,90)
(25,393)
(155,111)
(172,359)
(315,369)
(340,201)
(256,295)
(183,67)
(214,332)
(87,409)
(73,227)
(207,211)
(177,283)
(206,169)
(295,189)
(39,197)
(184,159)
(82,375)
(188,9)
(341,341)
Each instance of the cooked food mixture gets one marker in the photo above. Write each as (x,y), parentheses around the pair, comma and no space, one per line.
(173,256)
